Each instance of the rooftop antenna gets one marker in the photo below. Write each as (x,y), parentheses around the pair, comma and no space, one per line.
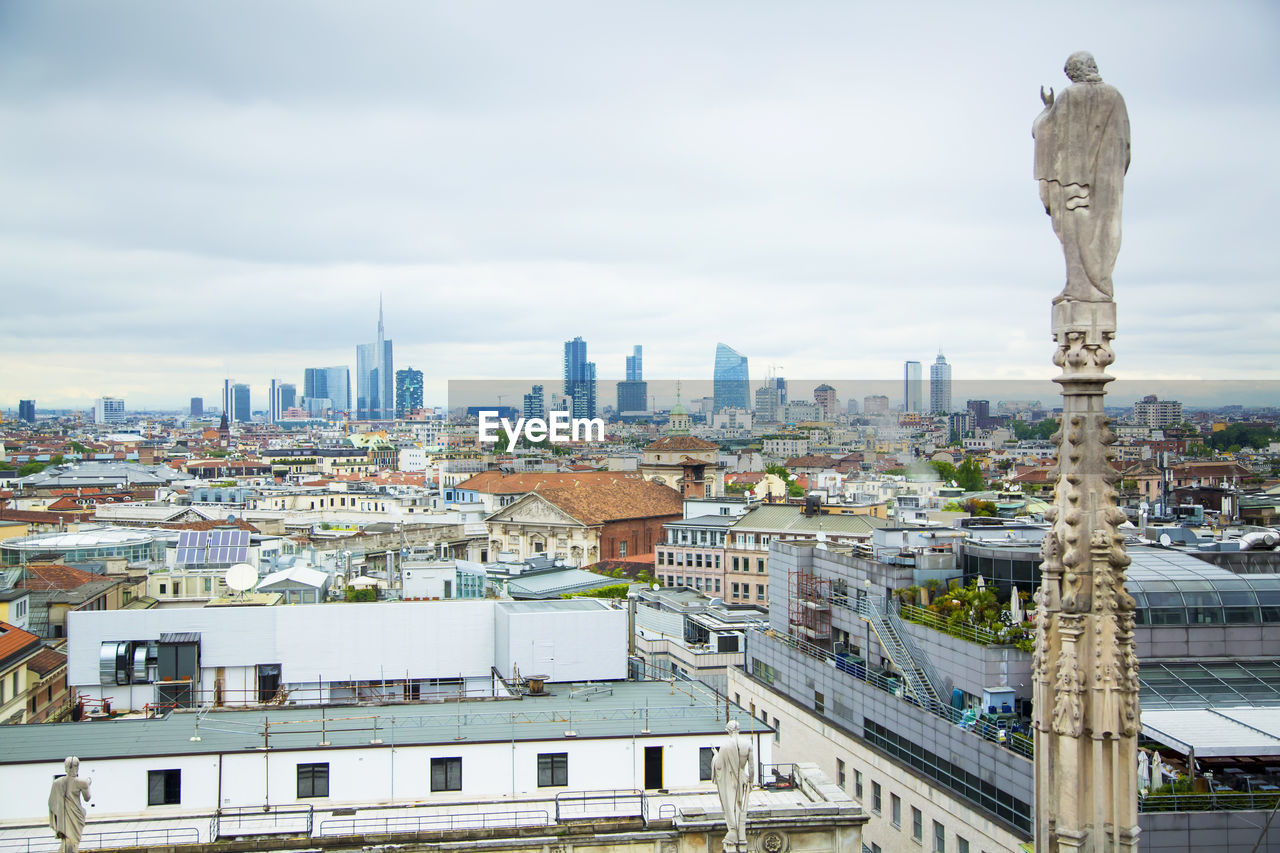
(241,578)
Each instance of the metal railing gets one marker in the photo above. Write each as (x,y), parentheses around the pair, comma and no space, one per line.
(921,659)
(1223,802)
(160,837)
(777,776)
(410,824)
(1012,741)
(261,820)
(963,630)
(900,655)
(580,805)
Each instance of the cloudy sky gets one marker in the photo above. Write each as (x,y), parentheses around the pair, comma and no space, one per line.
(192,191)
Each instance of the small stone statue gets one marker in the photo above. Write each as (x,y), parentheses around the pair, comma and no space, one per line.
(1082,154)
(66,814)
(733,771)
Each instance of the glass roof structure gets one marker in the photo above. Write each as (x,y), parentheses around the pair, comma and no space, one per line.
(1206,684)
(1175,588)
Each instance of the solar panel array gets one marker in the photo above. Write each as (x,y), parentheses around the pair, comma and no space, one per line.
(216,547)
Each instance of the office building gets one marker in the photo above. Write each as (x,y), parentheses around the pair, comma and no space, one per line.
(375,378)
(535,405)
(579,378)
(408,391)
(1156,413)
(240,410)
(825,396)
(284,396)
(327,389)
(228,400)
(875,404)
(768,409)
(635,365)
(730,380)
(27,411)
(197,407)
(288,396)
(940,386)
(981,412)
(108,410)
(912,387)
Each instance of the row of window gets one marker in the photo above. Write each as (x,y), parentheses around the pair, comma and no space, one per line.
(895,813)
(693,582)
(695,560)
(164,787)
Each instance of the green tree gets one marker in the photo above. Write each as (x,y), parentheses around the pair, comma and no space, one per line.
(969,475)
(980,508)
(780,471)
(946,471)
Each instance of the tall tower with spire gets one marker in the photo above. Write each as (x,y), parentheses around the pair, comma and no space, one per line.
(376,377)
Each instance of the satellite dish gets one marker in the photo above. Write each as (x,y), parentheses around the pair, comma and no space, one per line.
(1166,540)
(241,577)
(231,519)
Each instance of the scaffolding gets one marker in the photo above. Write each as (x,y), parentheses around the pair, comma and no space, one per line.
(809,613)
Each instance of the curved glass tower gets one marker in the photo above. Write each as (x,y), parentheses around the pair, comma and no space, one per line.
(730,385)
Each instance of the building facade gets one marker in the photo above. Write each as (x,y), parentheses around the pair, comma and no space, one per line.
(579,378)
(108,410)
(408,391)
(730,380)
(375,378)
(940,386)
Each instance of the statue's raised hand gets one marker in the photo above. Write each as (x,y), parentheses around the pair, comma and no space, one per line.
(1046,97)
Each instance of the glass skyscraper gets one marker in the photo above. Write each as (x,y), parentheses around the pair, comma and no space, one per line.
(327,389)
(940,386)
(408,391)
(579,378)
(375,378)
(912,387)
(730,383)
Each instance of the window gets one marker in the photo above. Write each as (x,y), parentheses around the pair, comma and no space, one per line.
(735,564)
(759,592)
(820,705)
(759,564)
(735,590)
(875,797)
(164,787)
(706,755)
(622,549)
(857,785)
(875,848)
(962,844)
(777,730)
(553,769)
(163,589)
(895,810)
(917,824)
(313,780)
(840,772)
(446,774)
(939,838)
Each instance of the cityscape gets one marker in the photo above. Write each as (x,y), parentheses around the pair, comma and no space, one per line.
(638,429)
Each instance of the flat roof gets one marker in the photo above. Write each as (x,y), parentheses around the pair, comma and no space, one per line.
(1199,684)
(1216,732)
(623,709)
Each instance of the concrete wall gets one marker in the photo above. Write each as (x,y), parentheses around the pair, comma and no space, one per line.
(1223,832)
(587,644)
(971,667)
(805,736)
(1214,641)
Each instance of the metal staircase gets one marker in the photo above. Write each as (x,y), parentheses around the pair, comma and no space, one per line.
(919,680)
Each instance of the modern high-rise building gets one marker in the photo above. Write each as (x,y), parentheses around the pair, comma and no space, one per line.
(912,386)
(273,401)
(408,391)
(27,411)
(108,410)
(327,389)
(875,404)
(730,383)
(228,400)
(534,404)
(940,386)
(240,410)
(780,385)
(1157,413)
(580,378)
(284,396)
(768,409)
(635,364)
(197,407)
(375,378)
(825,396)
(981,412)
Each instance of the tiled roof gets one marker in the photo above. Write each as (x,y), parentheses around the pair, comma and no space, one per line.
(811,461)
(498,483)
(43,576)
(46,661)
(681,442)
(15,643)
(600,502)
(211,524)
(41,517)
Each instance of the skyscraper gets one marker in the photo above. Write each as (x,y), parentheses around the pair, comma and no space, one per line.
(197,407)
(580,378)
(27,411)
(633,394)
(273,401)
(408,391)
(912,390)
(730,381)
(327,389)
(635,364)
(375,378)
(825,396)
(228,401)
(240,410)
(534,404)
(108,410)
(284,396)
(940,386)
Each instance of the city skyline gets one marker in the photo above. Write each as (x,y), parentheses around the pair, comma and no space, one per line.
(742,185)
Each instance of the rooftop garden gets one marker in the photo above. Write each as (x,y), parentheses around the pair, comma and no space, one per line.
(974,613)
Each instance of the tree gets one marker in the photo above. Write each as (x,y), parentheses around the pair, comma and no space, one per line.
(979,508)
(969,475)
(782,473)
(946,471)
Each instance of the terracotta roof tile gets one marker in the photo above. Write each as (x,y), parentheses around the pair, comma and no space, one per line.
(681,442)
(604,501)
(15,642)
(498,483)
(46,660)
(45,576)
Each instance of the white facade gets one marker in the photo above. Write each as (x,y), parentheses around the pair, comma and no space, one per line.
(108,410)
(329,652)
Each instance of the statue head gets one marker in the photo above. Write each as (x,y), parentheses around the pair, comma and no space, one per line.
(732,727)
(1081,68)
(71,765)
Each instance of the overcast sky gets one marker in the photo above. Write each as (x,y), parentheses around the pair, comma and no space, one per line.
(192,191)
